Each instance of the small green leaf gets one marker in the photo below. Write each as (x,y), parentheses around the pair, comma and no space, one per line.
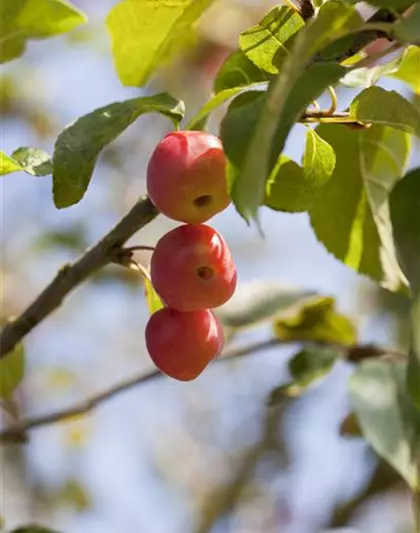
(318,160)
(33,161)
(146,33)
(154,302)
(292,188)
(79,145)
(312,364)
(23,20)
(389,421)
(317,321)
(350,214)
(287,189)
(8,165)
(238,71)
(268,41)
(388,108)
(73,493)
(409,68)
(408,29)
(260,301)
(12,371)
(405,215)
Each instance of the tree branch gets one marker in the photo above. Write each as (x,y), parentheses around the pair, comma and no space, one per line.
(72,275)
(16,433)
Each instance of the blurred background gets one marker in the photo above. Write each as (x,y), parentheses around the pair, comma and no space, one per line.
(167,457)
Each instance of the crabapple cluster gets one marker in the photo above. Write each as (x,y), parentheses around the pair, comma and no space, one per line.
(192,269)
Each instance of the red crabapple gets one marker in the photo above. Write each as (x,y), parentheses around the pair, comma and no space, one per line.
(192,268)
(186,176)
(182,344)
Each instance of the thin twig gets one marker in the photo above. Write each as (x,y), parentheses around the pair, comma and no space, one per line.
(142,248)
(16,433)
(72,275)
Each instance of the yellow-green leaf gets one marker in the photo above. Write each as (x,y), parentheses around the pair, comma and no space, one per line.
(317,321)
(154,303)
(269,41)
(12,370)
(34,19)
(409,68)
(350,214)
(8,165)
(292,188)
(144,33)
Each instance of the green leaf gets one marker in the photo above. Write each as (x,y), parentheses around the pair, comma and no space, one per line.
(267,42)
(408,29)
(318,159)
(154,302)
(238,133)
(12,371)
(312,364)
(238,71)
(34,19)
(409,68)
(8,165)
(405,215)
(388,108)
(350,214)
(295,87)
(145,33)
(79,145)
(317,321)
(292,188)
(287,189)
(33,161)
(389,421)
(260,301)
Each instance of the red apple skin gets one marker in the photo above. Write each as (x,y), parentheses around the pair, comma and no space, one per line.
(186,176)
(181,345)
(192,268)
